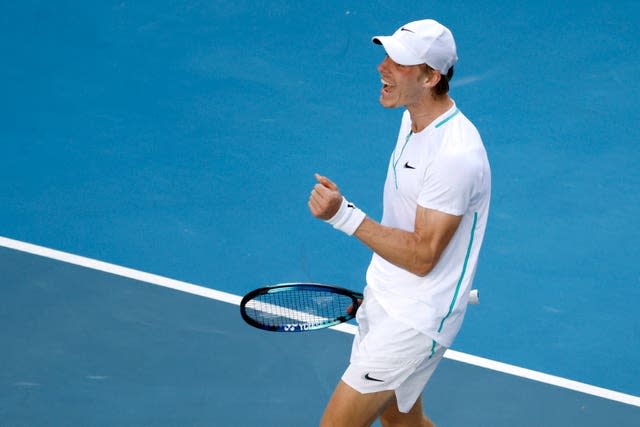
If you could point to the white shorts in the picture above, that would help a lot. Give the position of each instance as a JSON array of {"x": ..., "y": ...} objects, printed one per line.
[{"x": 388, "y": 355}]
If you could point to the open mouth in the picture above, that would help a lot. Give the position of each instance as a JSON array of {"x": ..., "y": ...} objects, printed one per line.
[{"x": 386, "y": 85}]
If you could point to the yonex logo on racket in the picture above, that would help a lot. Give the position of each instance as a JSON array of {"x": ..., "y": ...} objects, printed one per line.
[{"x": 293, "y": 327}]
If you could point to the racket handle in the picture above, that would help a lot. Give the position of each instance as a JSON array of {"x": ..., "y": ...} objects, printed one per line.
[{"x": 474, "y": 296}]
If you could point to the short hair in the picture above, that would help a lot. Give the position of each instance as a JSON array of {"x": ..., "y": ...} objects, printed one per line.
[{"x": 442, "y": 87}]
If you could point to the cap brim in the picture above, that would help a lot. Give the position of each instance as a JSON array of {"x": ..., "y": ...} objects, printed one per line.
[{"x": 397, "y": 51}]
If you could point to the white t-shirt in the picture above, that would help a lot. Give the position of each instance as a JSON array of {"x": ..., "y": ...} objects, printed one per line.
[{"x": 443, "y": 167}]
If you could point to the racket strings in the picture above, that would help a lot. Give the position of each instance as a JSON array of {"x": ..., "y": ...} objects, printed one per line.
[{"x": 310, "y": 307}]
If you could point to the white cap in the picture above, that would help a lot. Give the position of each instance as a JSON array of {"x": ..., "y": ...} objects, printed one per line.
[{"x": 421, "y": 42}]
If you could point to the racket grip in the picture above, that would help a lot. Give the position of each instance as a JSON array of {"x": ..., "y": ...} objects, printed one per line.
[{"x": 474, "y": 296}]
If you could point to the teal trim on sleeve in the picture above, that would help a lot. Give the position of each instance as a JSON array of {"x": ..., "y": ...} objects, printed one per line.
[{"x": 464, "y": 270}]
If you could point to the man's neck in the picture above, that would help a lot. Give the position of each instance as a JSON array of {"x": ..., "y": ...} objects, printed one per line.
[{"x": 423, "y": 114}]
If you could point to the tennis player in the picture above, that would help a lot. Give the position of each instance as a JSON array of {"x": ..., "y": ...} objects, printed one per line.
[{"x": 436, "y": 203}]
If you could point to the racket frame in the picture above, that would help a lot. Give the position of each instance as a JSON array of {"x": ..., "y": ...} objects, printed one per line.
[{"x": 356, "y": 298}]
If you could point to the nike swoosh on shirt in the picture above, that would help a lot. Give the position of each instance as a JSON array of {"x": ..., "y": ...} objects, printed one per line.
[{"x": 408, "y": 166}]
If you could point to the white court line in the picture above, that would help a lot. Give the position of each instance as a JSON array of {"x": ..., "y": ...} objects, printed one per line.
[
  {"x": 279, "y": 311},
  {"x": 347, "y": 328}
]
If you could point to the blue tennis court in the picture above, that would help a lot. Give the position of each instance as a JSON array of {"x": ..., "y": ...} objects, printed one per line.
[{"x": 180, "y": 139}]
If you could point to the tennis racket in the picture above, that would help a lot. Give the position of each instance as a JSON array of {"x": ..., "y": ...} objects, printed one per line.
[{"x": 299, "y": 307}]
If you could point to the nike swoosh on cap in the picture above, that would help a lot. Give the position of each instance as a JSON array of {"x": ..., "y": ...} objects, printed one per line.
[{"x": 406, "y": 29}]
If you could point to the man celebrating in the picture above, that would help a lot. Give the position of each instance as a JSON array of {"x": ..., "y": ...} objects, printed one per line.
[{"x": 426, "y": 248}]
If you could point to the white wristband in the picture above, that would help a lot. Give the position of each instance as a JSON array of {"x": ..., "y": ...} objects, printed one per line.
[{"x": 348, "y": 218}]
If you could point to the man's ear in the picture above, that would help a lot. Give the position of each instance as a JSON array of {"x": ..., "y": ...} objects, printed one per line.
[{"x": 432, "y": 78}]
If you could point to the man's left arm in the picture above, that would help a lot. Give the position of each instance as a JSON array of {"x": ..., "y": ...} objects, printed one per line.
[{"x": 417, "y": 252}]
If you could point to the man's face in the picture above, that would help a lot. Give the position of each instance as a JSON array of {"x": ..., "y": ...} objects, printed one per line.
[{"x": 401, "y": 84}]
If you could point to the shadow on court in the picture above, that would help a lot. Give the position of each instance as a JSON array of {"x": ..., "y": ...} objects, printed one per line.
[{"x": 82, "y": 347}]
